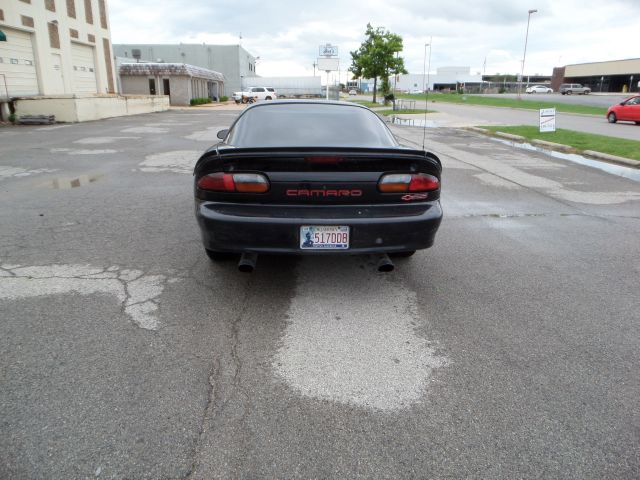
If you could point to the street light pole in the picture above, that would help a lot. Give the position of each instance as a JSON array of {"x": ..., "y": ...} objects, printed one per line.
[
  {"x": 424, "y": 66},
  {"x": 524, "y": 55},
  {"x": 426, "y": 87},
  {"x": 426, "y": 96}
]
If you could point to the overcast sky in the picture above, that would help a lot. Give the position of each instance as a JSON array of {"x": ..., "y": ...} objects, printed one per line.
[{"x": 286, "y": 34}]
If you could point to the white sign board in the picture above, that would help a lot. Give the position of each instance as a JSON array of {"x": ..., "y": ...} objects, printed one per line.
[
  {"x": 328, "y": 64},
  {"x": 328, "y": 50},
  {"x": 547, "y": 120}
]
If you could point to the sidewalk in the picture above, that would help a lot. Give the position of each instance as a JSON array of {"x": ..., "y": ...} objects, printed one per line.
[{"x": 228, "y": 105}]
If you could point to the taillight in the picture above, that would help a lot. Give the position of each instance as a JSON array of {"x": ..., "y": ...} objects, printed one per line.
[
  {"x": 234, "y": 182},
  {"x": 407, "y": 182}
]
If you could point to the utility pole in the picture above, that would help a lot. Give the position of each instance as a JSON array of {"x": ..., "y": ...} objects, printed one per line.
[{"x": 524, "y": 55}]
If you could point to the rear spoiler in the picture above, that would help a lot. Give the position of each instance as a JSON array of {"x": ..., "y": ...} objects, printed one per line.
[{"x": 221, "y": 151}]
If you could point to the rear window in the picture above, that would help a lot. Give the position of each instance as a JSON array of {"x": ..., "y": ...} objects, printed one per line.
[{"x": 310, "y": 125}]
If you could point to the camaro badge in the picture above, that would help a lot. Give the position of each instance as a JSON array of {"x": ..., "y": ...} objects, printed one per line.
[
  {"x": 414, "y": 196},
  {"x": 324, "y": 193}
]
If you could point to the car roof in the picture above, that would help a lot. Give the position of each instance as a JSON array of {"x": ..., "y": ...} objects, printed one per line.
[
  {"x": 346, "y": 125},
  {"x": 306, "y": 102}
]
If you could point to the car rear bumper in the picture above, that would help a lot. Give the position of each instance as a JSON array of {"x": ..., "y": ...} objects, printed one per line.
[{"x": 276, "y": 228}]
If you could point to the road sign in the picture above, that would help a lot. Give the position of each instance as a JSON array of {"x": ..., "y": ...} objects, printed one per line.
[
  {"x": 328, "y": 64},
  {"x": 328, "y": 50},
  {"x": 547, "y": 120}
]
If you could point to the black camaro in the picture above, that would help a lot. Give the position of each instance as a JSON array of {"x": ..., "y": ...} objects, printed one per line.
[{"x": 311, "y": 177}]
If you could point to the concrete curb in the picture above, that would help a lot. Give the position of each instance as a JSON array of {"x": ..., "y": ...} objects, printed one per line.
[
  {"x": 553, "y": 146},
  {"x": 612, "y": 158},
  {"x": 508, "y": 136},
  {"x": 484, "y": 131},
  {"x": 604, "y": 157}
]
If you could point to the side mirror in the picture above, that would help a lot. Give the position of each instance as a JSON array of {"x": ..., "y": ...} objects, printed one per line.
[{"x": 223, "y": 133}]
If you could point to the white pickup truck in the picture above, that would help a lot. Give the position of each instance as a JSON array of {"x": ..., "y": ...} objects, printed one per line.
[{"x": 258, "y": 93}]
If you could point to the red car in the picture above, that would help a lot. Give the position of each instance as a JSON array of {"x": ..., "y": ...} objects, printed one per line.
[{"x": 628, "y": 110}]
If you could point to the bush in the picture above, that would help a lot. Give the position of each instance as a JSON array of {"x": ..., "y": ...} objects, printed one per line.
[
  {"x": 200, "y": 101},
  {"x": 13, "y": 118},
  {"x": 224, "y": 98}
]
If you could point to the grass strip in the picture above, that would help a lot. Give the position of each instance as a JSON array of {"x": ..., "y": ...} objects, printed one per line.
[
  {"x": 366, "y": 103},
  {"x": 528, "y": 103},
  {"x": 580, "y": 141}
]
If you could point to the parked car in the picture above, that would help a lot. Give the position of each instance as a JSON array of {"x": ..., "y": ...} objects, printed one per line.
[
  {"x": 311, "y": 178},
  {"x": 352, "y": 92},
  {"x": 538, "y": 89},
  {"x": 627, "y": 110},
  {"x": 258, "y": 93},
  {"x": 570, "y": 88}
]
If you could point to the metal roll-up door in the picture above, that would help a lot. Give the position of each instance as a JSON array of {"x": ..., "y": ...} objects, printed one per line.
[
  {"x": 84, "y": 69},
  {"x": 18, "y": 65}
]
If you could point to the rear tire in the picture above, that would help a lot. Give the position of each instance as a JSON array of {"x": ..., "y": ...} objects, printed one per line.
[
  {"x": 406, "y": 254},
  {"x": 569, "y": 92},
  {"x": 267, "y": 98},
  {"x": 216, "y": 256},
  {"x": 612, "y": 118}
]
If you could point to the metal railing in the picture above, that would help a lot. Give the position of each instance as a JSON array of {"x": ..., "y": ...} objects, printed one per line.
[{"x": 402, "y": 104}]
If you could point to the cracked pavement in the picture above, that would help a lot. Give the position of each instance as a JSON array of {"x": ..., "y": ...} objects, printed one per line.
[
  {"x": 138, "y": 293},
  {"x": 508, "y": 350}
]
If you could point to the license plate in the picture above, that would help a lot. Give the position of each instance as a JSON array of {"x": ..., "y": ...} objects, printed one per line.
[{"x": 324, "y": 237}]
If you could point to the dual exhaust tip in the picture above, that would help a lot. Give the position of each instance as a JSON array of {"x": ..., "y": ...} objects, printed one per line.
[{"x": 247, "y": 263}]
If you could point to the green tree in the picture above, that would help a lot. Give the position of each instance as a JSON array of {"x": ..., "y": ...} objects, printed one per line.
[{"x": 378, "y": 57}]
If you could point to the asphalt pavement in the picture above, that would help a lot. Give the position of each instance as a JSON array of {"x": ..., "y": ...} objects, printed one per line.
[
  {"x": 595, "y": 99},
  {"x": 508, "y": 350},
  {"x": 455, "y": 115}
]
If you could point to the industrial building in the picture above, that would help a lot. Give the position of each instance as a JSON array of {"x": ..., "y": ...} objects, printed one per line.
[
  {"x": 56, "y": 60},
  {"x": 445, "y": 78},
  {"x": 179, "y": 81},
  {"x": 232, "y": 61},
  {"x": 53, "y": 48},
  {"x": 611, "y": 76}
]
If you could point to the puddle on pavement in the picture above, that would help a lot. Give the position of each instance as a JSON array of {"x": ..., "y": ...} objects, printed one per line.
[
  {"x": 413, "y": 122},
  {"x": 618, "y": 170},
  {"x": 64, "y": 183}
]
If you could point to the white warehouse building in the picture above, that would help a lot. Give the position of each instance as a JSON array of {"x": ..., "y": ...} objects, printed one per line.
[
  {"x": 55, "y": 48},
  {"x": 445, "y": 78},
  {"x": 56, "y": 61},
  {"x": 234, "y": 62}
]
